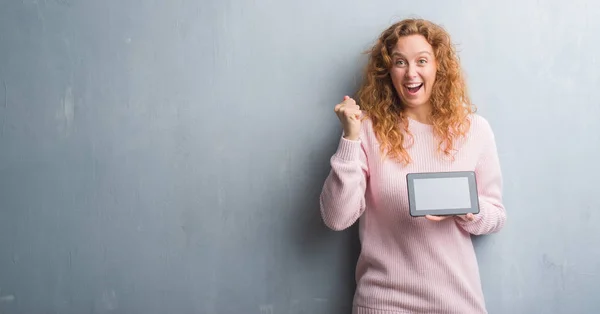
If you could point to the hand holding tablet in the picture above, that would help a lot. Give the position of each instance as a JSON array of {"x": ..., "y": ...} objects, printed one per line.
[
  {"x": 467, "y": 217},
  {"x": 440, "y": 195}
]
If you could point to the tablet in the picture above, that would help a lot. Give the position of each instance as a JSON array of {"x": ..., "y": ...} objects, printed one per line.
[{"x": 442, "y": 193}]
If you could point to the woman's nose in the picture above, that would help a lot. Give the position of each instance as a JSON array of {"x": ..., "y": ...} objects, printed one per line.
[{"x": 411, "y": 72}]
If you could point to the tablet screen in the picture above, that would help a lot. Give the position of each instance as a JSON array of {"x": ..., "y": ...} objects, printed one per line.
[
  {"x": 442, "y": 193},
  {"x": 448, "y": 193}
]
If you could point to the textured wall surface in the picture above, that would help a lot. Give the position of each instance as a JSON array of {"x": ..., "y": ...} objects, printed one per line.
[{"x": 167, "y": 156}]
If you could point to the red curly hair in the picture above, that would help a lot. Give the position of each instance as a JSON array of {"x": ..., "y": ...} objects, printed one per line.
[{"x": 377, "y": 97}]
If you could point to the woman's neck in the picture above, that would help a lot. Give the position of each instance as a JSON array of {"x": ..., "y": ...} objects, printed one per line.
[{"x": 420, "y": 114}]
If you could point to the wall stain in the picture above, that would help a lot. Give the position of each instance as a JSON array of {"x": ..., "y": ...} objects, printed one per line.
[
  {"x": 266, "y": 309},
  {"x": 66, "y": 114},
  {"x": 557, "y": 267},
  {"x": 5, "y": 107},
  {"x": 7, "y": 298}
]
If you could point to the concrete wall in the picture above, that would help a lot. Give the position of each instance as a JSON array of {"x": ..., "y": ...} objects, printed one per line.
[{"x": 167, "y": 156}]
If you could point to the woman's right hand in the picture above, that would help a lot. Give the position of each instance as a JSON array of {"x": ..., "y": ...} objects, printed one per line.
[{"x": 349, "y": 114}]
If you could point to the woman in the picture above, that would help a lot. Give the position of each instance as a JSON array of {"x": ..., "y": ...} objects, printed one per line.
[{"x": 414, "y": 116}]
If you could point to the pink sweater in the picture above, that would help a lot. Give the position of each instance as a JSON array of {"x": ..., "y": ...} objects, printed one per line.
[{"x": 412, "y": 265}]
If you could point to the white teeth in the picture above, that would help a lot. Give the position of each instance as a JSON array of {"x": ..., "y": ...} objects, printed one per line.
[{"x": 413, "y": 85}]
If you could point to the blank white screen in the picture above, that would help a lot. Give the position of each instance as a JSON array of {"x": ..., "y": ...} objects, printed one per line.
[{"x": 442, "y": 193}]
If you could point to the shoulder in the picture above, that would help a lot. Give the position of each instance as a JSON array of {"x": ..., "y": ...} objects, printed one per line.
[
  {"x": 366, "y": 124},
  {"x": 367, "y": 132},
  {"x": 480, "y": 126},
  {"x": 481, "y": 133},
  {"x": 478, "y": 121}
]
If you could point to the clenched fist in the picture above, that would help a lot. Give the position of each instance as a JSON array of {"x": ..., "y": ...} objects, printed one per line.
[{"x": 349, "y": 114}]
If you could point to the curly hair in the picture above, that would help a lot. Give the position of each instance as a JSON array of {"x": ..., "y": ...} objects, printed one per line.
[{"x": 377, "y": 97}]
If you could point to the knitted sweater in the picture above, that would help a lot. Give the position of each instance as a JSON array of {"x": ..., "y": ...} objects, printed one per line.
[{"x": 408, "y": 264}]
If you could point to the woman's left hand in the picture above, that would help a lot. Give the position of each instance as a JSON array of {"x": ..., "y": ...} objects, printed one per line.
[{"x": 467, "y": 217}]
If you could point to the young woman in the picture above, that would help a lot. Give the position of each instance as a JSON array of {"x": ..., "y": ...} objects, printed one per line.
[{"x": 415, "y": 116}]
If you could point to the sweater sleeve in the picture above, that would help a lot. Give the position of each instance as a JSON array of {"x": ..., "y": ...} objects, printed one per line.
[
  {"x": 342, "y": 199},
  {"x": 492, "y": 215}
]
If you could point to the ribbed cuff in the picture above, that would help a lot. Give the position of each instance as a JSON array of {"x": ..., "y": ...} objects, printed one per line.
[{"x": 365, "y": 310}]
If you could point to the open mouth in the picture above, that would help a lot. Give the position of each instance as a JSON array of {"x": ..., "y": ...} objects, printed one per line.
[{"x": 413, "y": 88}]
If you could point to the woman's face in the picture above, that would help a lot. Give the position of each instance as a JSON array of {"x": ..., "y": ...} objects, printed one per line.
[{"x": 413, "y": 70}]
